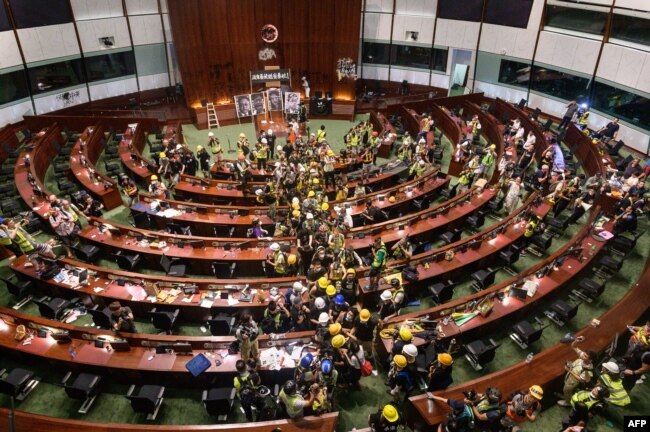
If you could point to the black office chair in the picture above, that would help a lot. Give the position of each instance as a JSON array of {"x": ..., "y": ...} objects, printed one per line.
[
  {"x": 86, "y": 253},
  {"x": 609, "y": 265},
  {"x": 557, "y": 226},
  {"x": 170, "y": 268},
  {"x": 449, "y": 192},
  {"x": 494, "y": 205},
  {"x": 85, "y": 388},
  {"x": 126, "y": 262},
  {"x": 562, "y": 312},
  {"x": 424, "y": 358},
  {"x": 476, "y": 220},
  {"x": 420, "y": 204},
  {"x": 18, "y": 383},
  {"x": 524, "y": 334},
  {"x": 223, "y": 270},
  {"x": 175, "y": 228},
  {"x": 221, "y": 325},
  {"x": 101, "y": 317},
  {"x": 481, "y": 279},
  {"x": 613, "y": 151},
  {"x": 141, "y": 220},
  {"x": 223, "y": 230},
  {"x": 441, "y": 292},
  {"x": 148, "y": 400},
  {"x": 510, "y": 256},
  {"x": 547, "y": 125},
  {"x": 479, "y": 354},
  {"x": 588, "y": 290},
  {"x": 541, "y": 242},
  {"x": 19, "y": 289},
  {"x": 52, "y": 308},
  {"x": 623, "y": 244},
  {"x": 218, "y": 401},
  {"x": 451, "y": 236},
  {"x": 164, "y": 320}
]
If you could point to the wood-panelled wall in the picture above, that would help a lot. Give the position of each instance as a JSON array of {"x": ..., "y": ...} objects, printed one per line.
[{"x": 217, "y": 43}]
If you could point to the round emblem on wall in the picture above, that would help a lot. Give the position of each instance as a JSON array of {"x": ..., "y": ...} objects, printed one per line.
[{"x": 269, "y": 33}]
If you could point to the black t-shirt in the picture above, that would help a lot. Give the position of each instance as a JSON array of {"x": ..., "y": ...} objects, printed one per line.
[
  {"x": 127, "y": 325},
  {"x": 365, "y": 330},
  {"x": 380, "y": 424},
  {"x": 610, "y": 129}
]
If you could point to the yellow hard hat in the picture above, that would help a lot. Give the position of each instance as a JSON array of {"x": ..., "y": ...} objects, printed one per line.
[
  {"x": 391, "y": 199},
  {"x": 199, "y": 148},
  {"x": 390, "y": 413},
  {"x": 323, "y": 282},
  {"x": 405, "y": 334},
  {"x": 311, "y": 194},
  {"x": 445, "y": 359},
  {"x": 162, "y": 155},
  {"x": 291, "y": 259},
  {"x": 351, "y": 271},
  {"x": 315, "y": 181},
  {"x": 493, "y": 146},
  {"x": 330, "y": 153},
  {"x": 296, "y": 206},
  {"x": 335, "y": 329},
  {"x": 154, "y": 177},
  {"x": 536, "y": 392},
  {"x": 400, "y": 361},
  {"x": 330, "y": 291},
  {"x": 338, "y": 341},
  {"x": 325, "y": 206},
  {"x": 295, "y": 213},
  {"x": 364, "y": 315}
]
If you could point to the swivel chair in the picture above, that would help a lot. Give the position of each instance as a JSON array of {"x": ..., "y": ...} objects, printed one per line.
[
  {"x": 148, "y": 400},
  {"x": 18, "y": 383},
  {"x": 101, "y": 317},
  {"x": 218, "y": 401},
  {"x": 441, "y": 292},
  {"x": 163, "y": 320},
  {"x": 170, "y": 268},
  {"x": 19, "y": 289},
  {"x": 479, "y": 354},
  {"x": 562, "y": 312},
  {"x": 85, "y": 387},
  {"x": 481, "y": 279},
  {"x": 523, "y": 333}
]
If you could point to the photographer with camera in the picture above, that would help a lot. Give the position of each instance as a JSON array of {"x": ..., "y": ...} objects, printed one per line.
[
  {"x": 461, "y": 417},
  {"x": 523, "y": 406},
  {"x": 247, "y": 333},
  {"x": 293, "y": 402},
  {"x": 246, "y": 383},
  {"x": 487, "y": 409}
]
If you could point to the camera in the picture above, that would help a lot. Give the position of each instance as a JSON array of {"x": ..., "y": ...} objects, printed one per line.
[{"x": 471, "y": 395}]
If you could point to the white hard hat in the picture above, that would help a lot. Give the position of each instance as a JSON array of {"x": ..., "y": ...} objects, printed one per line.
[
  {"x": 210, "y": 134},
  {"x": 410, "y": 350},
  {"x": 273, "y": 291},
  {"x": 279, "y": 148},
  {"x": 178, "y": 146},
  {"x": 264, "y": 141},
  {"x": 277, "y": 165},
  {"x": 259, "y": 192},
  {"x": 275, "y": 247},
  {"x": 323, "y": 318},
  {"x": 295, "y": 200},
  {"x": 386, "y": 295},
  {"x": 270, "y": 131},
  {"x": 422, "y": 141},
  {"x": 319, "y": 303},
  {"x": 297, "y": 286},
  {"x": 309, "y": 216},
  {"x": 611, "y": 367},
  {"x": 422, "y": 163}
]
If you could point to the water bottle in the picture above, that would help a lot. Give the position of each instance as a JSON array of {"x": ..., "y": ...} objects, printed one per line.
[
  {"x": 529, "y": 358},
  {"x": 430, "y": 405}
]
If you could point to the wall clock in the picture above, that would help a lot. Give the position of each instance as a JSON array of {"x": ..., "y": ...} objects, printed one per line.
[{"x": 269, "y": 33}]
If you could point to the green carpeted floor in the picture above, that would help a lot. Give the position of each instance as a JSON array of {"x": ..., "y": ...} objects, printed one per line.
[{"x": 182, "y": 406}]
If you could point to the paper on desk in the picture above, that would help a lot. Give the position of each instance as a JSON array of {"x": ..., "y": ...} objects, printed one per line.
[
  {"x": 187, "y": 300},
  {"x": 206, "y": 303},
  {"x": 297, "y": 352},
  {"x": 232, "y": 301},
  {"x": 98, "y": 289}
]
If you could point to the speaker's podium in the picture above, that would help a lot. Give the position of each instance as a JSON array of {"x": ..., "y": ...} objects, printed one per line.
[{"x": 319, "y": 105}]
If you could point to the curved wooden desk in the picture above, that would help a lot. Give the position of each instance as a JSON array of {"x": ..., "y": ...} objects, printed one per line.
[
  {"x": 230, "y": 190},
  {"x": 97, "y": 183},
  {"x": 140, "y": 363},
  {"x": 130, "y": 148},
  {"x": 491, "y": 130},
  {"x": 546, "y": 368},
  {"x": 572, "y": 252},
  {"x": 47, "y": 144},
  {"x": 382, "y": 126},
  {"x": 27, "y": 422}
]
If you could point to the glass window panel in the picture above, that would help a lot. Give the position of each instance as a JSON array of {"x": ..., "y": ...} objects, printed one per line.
[
  {"x": 108, "y": 66},
  {"x": 439, "y": 60},
  {"x": 580, "y": 20},
  {"x": 55, "y": 76},
  {"x": 4, "y": 19},
  {"x": 623, "y": 104},
  {"x": 631, "y": 29},
  {"x": 514, "y": 73},
  {"x": 37, "y": 13},
  {"x": 13, "y": 86},
  {"x": 411, "y": 56},
  {"x": 512, "y": 13},
  {"x": 466, "y": 10},
  {"x": 376, "y": 53},
  {"x": 560, "y": 84}
]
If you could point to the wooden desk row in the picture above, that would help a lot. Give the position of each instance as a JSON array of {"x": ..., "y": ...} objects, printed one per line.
[
  {"x": 141, "y": 363},
  {"x": 230, "y": 190},
  {"x": 577, "y": 255},
  {"x": 546, "y": 368},
  {"x": 28, "y": 422},
  {"x": 97, "y": 183},
  {"x": 381, "y": 125},
  {"x": 130, "y": 148}
]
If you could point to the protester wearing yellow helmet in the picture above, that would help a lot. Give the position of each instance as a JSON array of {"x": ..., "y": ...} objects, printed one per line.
[
  {"x": 439, "y": 373},
  {"x": 523, "y": 406},
  {"x": 386, "y": 419},
  {"x": 400, "y": 379},
  {"x": 338, "y": 341}
]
